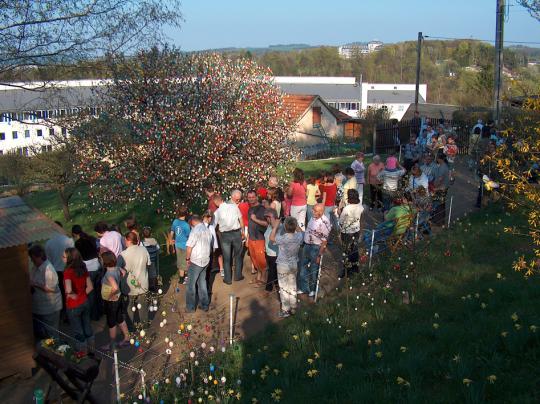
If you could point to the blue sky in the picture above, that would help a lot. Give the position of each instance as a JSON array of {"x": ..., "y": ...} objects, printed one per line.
[{"x": 243, "y": 23}]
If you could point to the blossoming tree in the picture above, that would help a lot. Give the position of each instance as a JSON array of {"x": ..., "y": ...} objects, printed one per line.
[{"x": 177, "y": 122}]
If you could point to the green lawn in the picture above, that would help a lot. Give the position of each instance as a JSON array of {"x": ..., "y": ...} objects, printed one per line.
[
  {"x": 314, "y": 167},
  {"x": 470, "y": 335}
]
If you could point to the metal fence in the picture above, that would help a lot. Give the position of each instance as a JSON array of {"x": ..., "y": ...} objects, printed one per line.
[{"x": 392, "y": 134}]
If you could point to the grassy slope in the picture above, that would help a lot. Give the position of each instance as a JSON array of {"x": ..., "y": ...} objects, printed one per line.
[{"x": 461, "y": 293}]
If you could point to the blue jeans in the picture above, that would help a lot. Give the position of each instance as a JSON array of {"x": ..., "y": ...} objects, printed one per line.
[
  {"x": 196, "y": 288},
  {"x": 309, "y": 269},
  {"x": 79, "y": 320},
  {"x": 231, "y": 247},
  {"x": 46, "y": 325}
]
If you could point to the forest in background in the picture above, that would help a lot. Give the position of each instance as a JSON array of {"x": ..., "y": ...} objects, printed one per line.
[{"x": 458, "y": 72}]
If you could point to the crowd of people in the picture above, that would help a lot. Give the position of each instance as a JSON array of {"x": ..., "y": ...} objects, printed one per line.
[{"x": 284, "y": 228}]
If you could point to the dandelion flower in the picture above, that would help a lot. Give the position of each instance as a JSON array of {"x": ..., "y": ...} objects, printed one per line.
[
  {"x": 466, "y": 382},
  {"x": 491, "y": 378}
]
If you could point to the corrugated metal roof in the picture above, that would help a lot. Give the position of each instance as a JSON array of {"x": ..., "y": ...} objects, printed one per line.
[
  {"x": 328, "y": 92},
  {"x": 15, "y": 100},
  {"x": 392, "y": 97},
  {"x": 20, "y": 224}
]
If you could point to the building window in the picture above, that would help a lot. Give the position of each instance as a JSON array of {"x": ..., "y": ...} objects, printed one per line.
[
  {"x": 51, "y": 131},
  {"x": 64, "y": 131},
  {"x": 2, "y": 136},
  {"x": 25, "y": 151},
  {"x": 15, "y": 134},
  {"x": 40, "y": 132},
  {"x": 384, "y": 108},
  {"x": 342, "y": 105},
  {"x": 27, "y": 133},
  {"x": 316, "y": 116}
]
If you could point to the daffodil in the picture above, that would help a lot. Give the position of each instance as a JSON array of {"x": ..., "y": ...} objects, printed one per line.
[
  {"x": 504, "y": 334},
  {"x": 490, "y": 290},
  {"x": 402, "y": 382},
  {"x": 364, "y": 324},
  {"x": 403, "y": 349},
  {"x": 483, "y": 305},
  {"x": 295, "y": 337},
  {"x": 285, "y": 354},
  {"x": 312, "y": 372},
  {"x": 310, "y": 361},
  {"x": 436, "y": 315},
  {"x": 276, "y": 372},
  {"x": 491, "y": 378},
  {"x": 533, "y": 328},
  {"x": 379, "y": 354},
  {"x": 517, "y": 326},
  {"x": 436, "y": 325},
  {"x": 316, "y": 355},
  {"x": 466, "y": 382},
  {"x": 339, "y": 366},
  {"x": 254, "y": 400},
  {"x": 378, "y": 341},
  {"x": 307, "y": 332},
  {"x": 514, "y": 317},
  {"x": 456, "y": 358}
]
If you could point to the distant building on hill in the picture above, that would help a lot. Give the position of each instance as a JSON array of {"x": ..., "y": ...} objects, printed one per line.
[{"x": 358, "y": 48}]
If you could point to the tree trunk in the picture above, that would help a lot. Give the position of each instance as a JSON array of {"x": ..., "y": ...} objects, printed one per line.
[{"x": 65, "y": 203}]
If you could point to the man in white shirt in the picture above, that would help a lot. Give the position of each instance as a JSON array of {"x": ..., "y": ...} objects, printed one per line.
[
  {"x": 315, "y": 239},
  {"x": 54, "y": 250},
  {"x": 109, "y": 240},
  {"x": 136, "y": 260},
  {"x": 199, "y": 246},
  {"x": 229, "y": 224}
]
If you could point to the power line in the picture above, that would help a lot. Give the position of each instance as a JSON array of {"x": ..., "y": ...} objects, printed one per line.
[{"x": 480, "y": 40}]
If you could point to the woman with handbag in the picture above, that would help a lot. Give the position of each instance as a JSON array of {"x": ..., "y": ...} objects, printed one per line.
[{"x": 114, "y": 292}]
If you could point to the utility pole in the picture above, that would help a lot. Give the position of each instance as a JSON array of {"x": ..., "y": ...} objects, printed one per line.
[
  {"x": 499, "y": 31},
  {"x": 418, "y": 59}
]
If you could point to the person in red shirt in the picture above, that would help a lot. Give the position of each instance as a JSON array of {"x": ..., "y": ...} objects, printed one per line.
[
  {"x": 262, "y": 192},
  {"x": 78, "y": 285},
  {"x": 210, "y": 192},
  {"x": 329, "y": 192}
]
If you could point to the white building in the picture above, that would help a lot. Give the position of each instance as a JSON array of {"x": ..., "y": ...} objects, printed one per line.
[
  {"x": 30, "y": 116},
  {"x": 396, "y": 98},
  {"x": 350, "y": 96},
  {"x": 351, "y": 50}
]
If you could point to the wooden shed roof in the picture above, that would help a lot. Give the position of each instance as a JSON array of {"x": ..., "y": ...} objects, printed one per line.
[{"x": 20, "y": 224}]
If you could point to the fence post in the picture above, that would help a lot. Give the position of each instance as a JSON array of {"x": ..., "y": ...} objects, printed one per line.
[
  {"x": 231, "y": 303},
  {"x": 371, "y": 248},
  {"x": 143, "y": 384},
  {"x": 116, "y": 376},
  {"x": 374, "y": 139},
  {"x": 416, "y": 227},
  {"x": 318, "y": 280},
  {"x": 450, "y": 210}
]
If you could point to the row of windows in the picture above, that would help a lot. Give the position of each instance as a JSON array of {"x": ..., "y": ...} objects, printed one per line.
[
  {"x": 47, "y": 114},
  {"x": 23, "y": 151},
  {"x": 350, "y": 106},
  {"x": 39, "y": 133}
]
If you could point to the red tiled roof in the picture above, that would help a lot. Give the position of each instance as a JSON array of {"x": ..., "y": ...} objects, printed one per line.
[
  {"x": 297, "y": 104},
  {"x": 20, "y": 224},
  {"x": 341, "y": 116}
]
